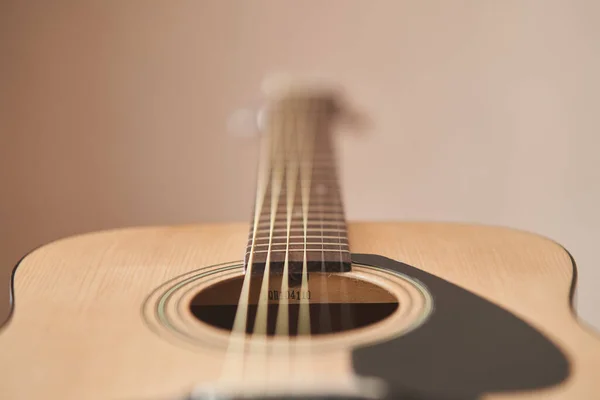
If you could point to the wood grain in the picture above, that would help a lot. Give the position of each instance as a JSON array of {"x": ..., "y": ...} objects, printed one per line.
[{"x": 77, "y": 331}]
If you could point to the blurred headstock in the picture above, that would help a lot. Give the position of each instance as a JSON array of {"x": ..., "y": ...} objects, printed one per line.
[{"x": 284, "y": 93}]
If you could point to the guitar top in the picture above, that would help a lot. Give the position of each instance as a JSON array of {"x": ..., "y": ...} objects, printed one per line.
[{"x": 298, "y": 303}]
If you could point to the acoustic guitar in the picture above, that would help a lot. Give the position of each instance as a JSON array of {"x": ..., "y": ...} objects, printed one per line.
[{"x": 298, "y": 304}]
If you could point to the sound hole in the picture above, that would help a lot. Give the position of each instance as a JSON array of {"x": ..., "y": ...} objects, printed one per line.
[{"x": 336, "y": 303}]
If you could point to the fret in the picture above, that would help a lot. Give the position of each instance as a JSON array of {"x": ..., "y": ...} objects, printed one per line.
[
  {"x": 313, "y": 193},
  {"x": 300, "y": 224},
  {"x": 331, "y": 181},
  {"x": 312, "y": 219},
  {"x": 298, "y": 216},
  {"x": 314, "y": 209},
  {"x": 267, "y": 205},
  {"x": 299, "y": 230},
  {"x": 298, "y": 213},
  {"x": 299, "y": 251},
  {"x": 293, "y": 246},
  {"x": 301, "y": 237},
  {"x": 313, "y": 204},
  {"x": 323, "y": 171},
  {"x": 298, "y": 210},
  {"x": 333, "y": 203}
]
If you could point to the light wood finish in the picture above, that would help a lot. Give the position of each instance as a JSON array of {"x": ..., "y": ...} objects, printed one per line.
[{"x": 77, "y": 330}]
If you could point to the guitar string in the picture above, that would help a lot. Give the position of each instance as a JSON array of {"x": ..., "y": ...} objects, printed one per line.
[
  {"x": 258, "y": 359},
  {"x": 234, "y": 363},
  {"x": 297, "y": 152},
  {"x": 324, "y": 307},
  {"x": 282, "y": 319},
  {"x": 260, "y": 330},
  {"x": 260, "y": 324},
  {"x": 346, "y": 314},
  {"x": 305, "y": 149},
  {"x": 304, "y": 327},
  {"x": 306, "y": 138}
]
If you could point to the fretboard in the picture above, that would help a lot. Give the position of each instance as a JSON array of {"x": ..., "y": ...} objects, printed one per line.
[{"x": 299, "y": 214}]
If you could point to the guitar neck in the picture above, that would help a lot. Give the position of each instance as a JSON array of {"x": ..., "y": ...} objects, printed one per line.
[{"x": 299, "y": 215}]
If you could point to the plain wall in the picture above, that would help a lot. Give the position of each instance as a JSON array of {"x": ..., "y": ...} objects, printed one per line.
[{"x": 113, "y": 113}]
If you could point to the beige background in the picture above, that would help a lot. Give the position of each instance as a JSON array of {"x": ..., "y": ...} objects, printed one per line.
[{"x": 113, "y": 113}]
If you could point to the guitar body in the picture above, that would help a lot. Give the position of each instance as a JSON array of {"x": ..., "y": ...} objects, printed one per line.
[{"x": 87, "y": 322}]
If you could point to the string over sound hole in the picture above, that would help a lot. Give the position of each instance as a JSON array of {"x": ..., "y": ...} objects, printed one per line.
[{"x": 336, "y": 303}]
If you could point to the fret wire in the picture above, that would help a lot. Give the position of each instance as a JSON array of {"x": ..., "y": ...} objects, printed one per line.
[
  {"x": 329, "y": 209},
  {"x": 332, "y": 205},
  {"x": 333, "y": 185},
  {"x": 332, "y": 198},
  {"x": 312, "y": 228},
  {"x": 333, "y": 188},
  {"x": 318, "y": 207},
  {"x": 312, "y": 234},
  {"x": 312, "y": 207},
  {"x": 300, "y": 244},
  {"x": 298, "y": 251},
  {"x": 312, "y": 222},
  {"x": 331, "y": 182},
  {"x": 302, "y": 237},
  {"x": 299, "y": 223},
  {"x": 301, "y": 230},
  {"x": 313, "y": 214},
  {"x": 312, "y": 217},
  {"x": 327, "y": 217}
]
